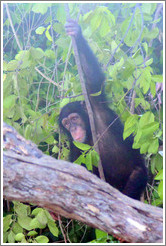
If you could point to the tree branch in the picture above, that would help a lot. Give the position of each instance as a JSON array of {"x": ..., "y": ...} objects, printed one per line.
[
  {"x": 87, "y": 102},
  {"x": 71, "y": 191},
  {"x": 11, "y": 23}
]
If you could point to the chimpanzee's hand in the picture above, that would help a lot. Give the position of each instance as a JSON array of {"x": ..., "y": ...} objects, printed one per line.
[{"x": 72, "y": 28}]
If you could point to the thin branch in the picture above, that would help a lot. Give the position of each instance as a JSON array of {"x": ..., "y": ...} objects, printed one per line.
[
  {"x": 60, "y": 225},
  {"x": 11, "y": 23},
  {"x": 66, "y": 63},
  {"x": 88, "y": 105},
  {"x": 47, "y": 78},
  {"x": 133, "y": 102}
]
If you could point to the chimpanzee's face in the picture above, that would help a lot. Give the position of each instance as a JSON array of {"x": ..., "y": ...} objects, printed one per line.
[{"x": 76, "y": 126}]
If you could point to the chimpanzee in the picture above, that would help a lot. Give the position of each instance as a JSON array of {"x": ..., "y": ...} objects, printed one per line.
[{"x": 123, "y": 166}]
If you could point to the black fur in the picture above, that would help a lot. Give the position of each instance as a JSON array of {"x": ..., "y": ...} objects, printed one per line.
[{"x": 123, "y": 166}]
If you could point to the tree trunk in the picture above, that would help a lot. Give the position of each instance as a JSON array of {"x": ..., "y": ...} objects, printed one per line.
[{"x": 71, "y": 191}]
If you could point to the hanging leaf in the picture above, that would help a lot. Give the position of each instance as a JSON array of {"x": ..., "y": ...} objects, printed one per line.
[
  {"x": 48, "y": 34},
  {"x": 40, "y": 30},
  {"x": 41, "y": 7}
]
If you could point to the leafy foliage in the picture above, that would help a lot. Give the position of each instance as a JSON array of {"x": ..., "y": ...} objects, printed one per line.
[
  {"x": 40, "y": 77},
  {"x": 89, "y": 156},
  {"x": 24, "y": 225}
]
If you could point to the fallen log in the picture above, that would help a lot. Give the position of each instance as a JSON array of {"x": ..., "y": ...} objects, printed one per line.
[{"x": 71, "y": 191}]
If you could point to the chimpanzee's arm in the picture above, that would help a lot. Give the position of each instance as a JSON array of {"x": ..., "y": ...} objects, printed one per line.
[{"x": 91, "y": 68}]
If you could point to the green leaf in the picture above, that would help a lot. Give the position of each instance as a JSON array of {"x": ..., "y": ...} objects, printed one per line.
[
  {"x": 80, "y": 159},
  {"x": 25, "y": 222},
  {"x": 11, "y": 237},
  {"x": 131, "y": 121},
  {"x": 42, "y": 239},
  {"x": 130, "y": 125},
  {"x": 21, "y": 209},
  {"x": 144, "y": 147},
  {"x": 96, "y": 94},
  {"x": 23, "y": 58},
  {"x": 61, "y": 13},
  {"x": 157, "y": 202},
  {"x": 23, "y": 54},
  {"x": 48, "y": 34},
  {"x": 5, "y": 237},
  {"x": 100, "y": 234},
  {"x": 12, "y": 65},
  {"x": 19, "y": 236},
  {"x": 149, "y": 129},
  {"x": 141, "y": 101},
  {"x": 152, "y": 34},
  {"x": 154, "y": 146},
  {"x": 36, "y": 224},
  {"x": 127, "y": 132},
  {"x": 120, "y": 63},
  {"x": 53, "y": 228},
  {"x": 50, "y": 140},
  {"x": 109, "y": 16},
  {"x": 28, "y": 131},
  {"x": 95, "y": 22},
  {"x": 137, "y": 136},
  {"x": 88, "y": 161},
  {"x": 36, "y": 211},
  {"x": 129, "y": 68},
  {"x": 17, "y": 228},
  {"x": 41, "y": 7},
  {"x": 132, "y": 37},
  {"x": 157, "y": 78},
  {"x": 138, "y": 60},
  {"x": 125, "y": 25},
  {"x": 145, "y": 45},
  {"x": 149, "y": 62},
  {"x": 156, "y": 163},
  {"x": 153, "y": 88},
  {"x": 63, "y": 42},
  {"x": 24, "y": 241},
  {"x": 145, "y": 119},
  {"x": 7, "y": 220},
  {"x": 145, "y": 80},
  {"x": 159, "y": 162},
  {"x": 42, "y": 218},
  {"x": 104, "y": 27},
  {"x": 49, "y": 217},
  {"x": 160, "y": 189},
  {"x": 153, "y": 164},
  {"x": 82, "y": 146},
  {"x": 32, "y": 233},
  {"x": 148, "y": 8},
  {"x": 4, "y": 66},
  {"x": 50, "y": 54},
  {"x": 40, "y": 30},
  {"x": 114, "y": 45},
  {"x": 59, "y": 28},
  {"x": 95, "y": 158},
  {"x": 55, "y": 149},
  {"x": 159, "y": 176},
  {"x": 37, "y": 53}
]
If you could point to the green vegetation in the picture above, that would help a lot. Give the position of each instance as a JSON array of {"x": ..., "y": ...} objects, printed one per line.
[{"x": 40, "y": 77}]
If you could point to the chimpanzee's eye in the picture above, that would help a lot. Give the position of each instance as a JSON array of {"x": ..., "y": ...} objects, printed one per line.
[{"x": 75, "y": 118}]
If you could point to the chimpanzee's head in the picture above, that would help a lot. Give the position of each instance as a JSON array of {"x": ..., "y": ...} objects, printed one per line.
[{"x": 74, "y": 121}]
